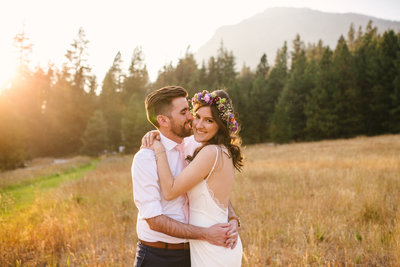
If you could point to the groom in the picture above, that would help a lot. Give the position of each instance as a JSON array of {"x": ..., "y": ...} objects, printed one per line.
[{"x": 162, "y": 226}]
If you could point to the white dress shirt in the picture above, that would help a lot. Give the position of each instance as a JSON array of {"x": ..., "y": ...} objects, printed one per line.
[{"x": 147, "y": 192}]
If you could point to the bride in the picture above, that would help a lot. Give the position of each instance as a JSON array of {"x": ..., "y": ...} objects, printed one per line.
[{"x": 209, "y": 177}]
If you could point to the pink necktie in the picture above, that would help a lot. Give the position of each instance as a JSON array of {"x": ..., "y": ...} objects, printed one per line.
[{"x": 179, "y": 147}]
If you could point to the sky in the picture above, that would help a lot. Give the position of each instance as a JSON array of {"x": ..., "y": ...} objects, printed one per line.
[{"x": 164, "y": 29}]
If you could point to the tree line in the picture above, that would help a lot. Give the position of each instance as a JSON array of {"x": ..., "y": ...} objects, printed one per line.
[{"x": 310, "y": 92}]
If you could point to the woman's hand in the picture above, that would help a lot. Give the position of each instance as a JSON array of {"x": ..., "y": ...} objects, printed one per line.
[
  {"x": 157, "y": 146},
  {"x": 233, "y": 234},
  {"x": 149, "y": 137}
]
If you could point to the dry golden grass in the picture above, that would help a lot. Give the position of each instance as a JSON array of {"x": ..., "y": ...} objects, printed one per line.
[
  {"x": 330, "y": 203},
  {"x": 86, "y": 222}
]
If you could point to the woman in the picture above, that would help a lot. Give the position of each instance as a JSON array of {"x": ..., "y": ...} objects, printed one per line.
[{"x": 208, "y": 179}]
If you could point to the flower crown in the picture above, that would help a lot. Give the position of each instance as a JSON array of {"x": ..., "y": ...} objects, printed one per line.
[{"x": 223, "y": 106}]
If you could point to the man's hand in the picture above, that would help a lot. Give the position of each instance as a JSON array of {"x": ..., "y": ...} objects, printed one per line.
[
  {"x": 218, "y": 234},
  {"x": 233, "y": 234}
]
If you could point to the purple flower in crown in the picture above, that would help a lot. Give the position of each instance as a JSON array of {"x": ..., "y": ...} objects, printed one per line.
[
  {"x": 207, "y": 98},
  {"x": 235, "y": 127}
]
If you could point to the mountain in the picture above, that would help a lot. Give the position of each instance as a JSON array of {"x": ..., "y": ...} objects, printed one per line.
[{"x": 266, "y": 32}]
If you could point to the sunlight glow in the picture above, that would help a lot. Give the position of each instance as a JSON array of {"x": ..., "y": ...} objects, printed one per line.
[
  {"x": 7, "y": 70},
  {"x": 164, "y": 29}
]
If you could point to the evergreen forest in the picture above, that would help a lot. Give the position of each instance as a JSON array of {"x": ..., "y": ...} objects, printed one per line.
[{"x": 307, "y": 92}]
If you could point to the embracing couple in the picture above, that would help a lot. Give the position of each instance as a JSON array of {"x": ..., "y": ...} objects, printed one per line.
[{"x": 182, "y": 181}]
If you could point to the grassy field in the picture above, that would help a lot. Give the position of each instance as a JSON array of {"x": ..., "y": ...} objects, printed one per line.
[{"x": 330, "y": 203}]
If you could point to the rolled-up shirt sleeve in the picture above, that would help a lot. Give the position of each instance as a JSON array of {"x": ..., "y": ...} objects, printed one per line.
[{"x": 146, "y": 188}]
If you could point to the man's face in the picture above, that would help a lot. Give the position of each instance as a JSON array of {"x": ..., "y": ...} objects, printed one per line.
[{"x": 180, "y": 117}]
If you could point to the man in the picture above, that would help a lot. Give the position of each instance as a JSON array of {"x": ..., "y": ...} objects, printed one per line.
[{"x": 162, "y": 225}]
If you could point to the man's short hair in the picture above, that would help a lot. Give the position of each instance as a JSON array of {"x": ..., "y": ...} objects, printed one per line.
[{"x": 159, "y": 102}]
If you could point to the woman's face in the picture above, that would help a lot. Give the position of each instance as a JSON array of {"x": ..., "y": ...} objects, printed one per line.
[{"x": 204, "y": 126}]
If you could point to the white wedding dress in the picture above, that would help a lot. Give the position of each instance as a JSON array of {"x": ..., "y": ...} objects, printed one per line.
[{"x": 205, "y": 211}]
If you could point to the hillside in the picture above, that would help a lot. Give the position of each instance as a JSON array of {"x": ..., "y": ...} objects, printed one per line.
[{"x": 266, "y": 32}]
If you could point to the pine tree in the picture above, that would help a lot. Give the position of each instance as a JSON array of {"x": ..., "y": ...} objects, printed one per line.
[
  {"x": 246, "y": 106},
  {"x": 351, "y": 37},
  {"x": 60, "y": 117},
  {"x": 95, "y": 136},
  {"x": 213, "y": 73},
  {"x": 75, "y": 86},
  {"x": 315, "y": 52},
  {"x": 280, "y": 130},
  {"x": 276, "y": 81},
  {"x": 12, "y": 135},
  {"x": 166, "y": 76},
  {"x": 395, "y": 99},
  {"x": 110, "y": 101},
  {"x": 226, "y": 68},
  {"x": 322, "y": 120},
  {"x": 39, "y": 85},
  {"x": 366, "y": 65},
  {"x": 297, "y": 88},
  {"x": 381, "y": 104},
  {"x": 254, "y": 120},
  {"x": 347, "y": 96},
  {"x": 137, "y": 79},
  {"x": 24, "y": 51},
  {"x": 134, "y": 123},
  {"x": 185, "y": 73},
  {"x": 28, "y": 91},
  {"x": 221, "y": 69},
  {"x": 199, "y": 81}
]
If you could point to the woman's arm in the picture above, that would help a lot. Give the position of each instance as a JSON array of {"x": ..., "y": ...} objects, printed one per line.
[
  {"x": 196, "y": 171},
  {"x": 147, "y": 139}
]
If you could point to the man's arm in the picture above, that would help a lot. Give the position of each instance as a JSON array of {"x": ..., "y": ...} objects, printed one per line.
[{"x": 216, "y": 234}]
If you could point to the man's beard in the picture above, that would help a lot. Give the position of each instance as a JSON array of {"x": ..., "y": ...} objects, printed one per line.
[{"x": 180, "y": 131}]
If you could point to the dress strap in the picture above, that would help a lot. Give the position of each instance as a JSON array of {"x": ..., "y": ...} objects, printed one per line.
[{"x": 215, "y": 162}]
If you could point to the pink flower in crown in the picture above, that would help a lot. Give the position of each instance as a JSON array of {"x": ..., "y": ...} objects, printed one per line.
[{"x": 207, "y": 98}]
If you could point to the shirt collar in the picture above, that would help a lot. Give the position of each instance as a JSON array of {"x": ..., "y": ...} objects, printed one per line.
[{"x": 168, "y": 143}]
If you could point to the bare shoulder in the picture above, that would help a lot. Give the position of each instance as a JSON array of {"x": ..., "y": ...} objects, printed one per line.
[
  {"x": 206, "y": 155},
  {"x": 209, "y": 150}
]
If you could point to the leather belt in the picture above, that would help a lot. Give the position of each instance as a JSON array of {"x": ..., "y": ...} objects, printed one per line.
[{"x": 167, "y": 246}]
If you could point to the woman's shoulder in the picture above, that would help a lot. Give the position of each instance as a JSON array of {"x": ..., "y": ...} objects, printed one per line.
[{"x": 209, "y": 149}]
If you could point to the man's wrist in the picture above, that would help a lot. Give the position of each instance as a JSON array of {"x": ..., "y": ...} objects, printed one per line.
[{"x": 204, "y": 234}]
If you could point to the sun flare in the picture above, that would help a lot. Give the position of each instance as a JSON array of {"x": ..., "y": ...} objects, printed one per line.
[{"x": 7, "y": 66}]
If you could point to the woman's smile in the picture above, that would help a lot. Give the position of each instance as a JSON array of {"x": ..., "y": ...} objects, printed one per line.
[{"x": 204, "y": 125}]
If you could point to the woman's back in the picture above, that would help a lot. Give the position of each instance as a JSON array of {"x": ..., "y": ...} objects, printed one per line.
[
  {"x": 221, "y": 179},
  {"x": 207, "y": 210}
]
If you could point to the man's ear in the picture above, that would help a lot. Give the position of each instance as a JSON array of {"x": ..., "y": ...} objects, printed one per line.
[{"x": 163, "y": 121}]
